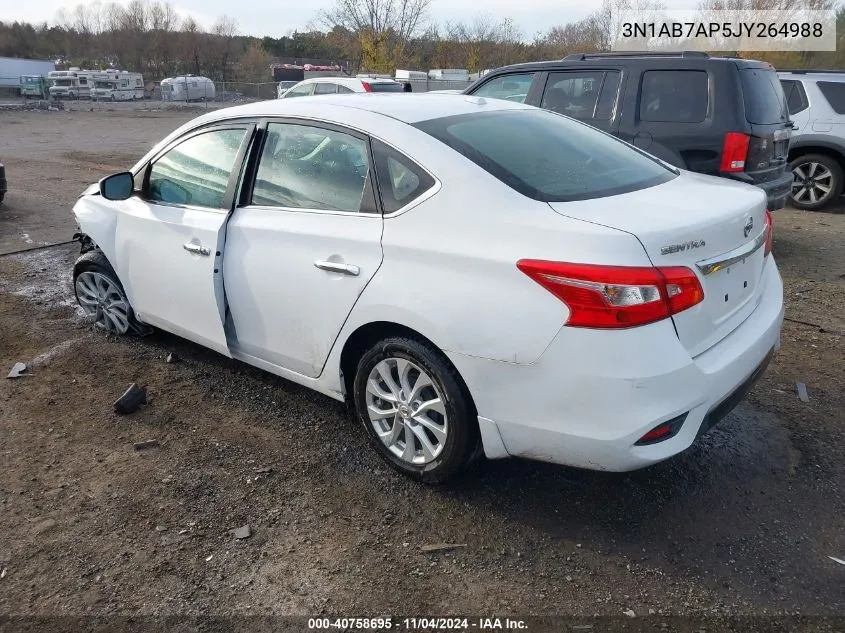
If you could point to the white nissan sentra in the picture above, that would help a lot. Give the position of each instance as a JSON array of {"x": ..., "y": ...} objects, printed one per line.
[{"x": 474, "y": 276}]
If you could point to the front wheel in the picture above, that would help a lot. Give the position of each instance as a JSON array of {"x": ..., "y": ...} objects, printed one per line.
[
  {"x": 101, "y": 296},
  {"x": 817, "y": 181},
  {"x": 415, "y": 409}
]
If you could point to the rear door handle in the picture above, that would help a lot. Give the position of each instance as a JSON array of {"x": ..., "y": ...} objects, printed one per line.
[
  {"x": 197, "y": 249},
  {"x": 337, "y": 267}
]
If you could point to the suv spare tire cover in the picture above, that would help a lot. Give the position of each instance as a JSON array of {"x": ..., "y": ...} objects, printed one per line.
[{"x": 642, "y": 140}]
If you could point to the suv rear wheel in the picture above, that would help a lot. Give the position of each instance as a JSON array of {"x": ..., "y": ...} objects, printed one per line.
[{"x": 816, "y": 181}]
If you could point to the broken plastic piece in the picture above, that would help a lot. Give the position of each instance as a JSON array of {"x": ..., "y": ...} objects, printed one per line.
[
  {"x": 18, "y": 370},
  {"x": 132, "y": 398},
  {"x": 802, "y": 392},
  {"x": 173, "y": 357}
]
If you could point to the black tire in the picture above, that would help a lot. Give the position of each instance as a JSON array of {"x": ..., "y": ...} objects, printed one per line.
[
  {"x": 836, "y": 181},
  {"x": 95, "y": 262},
  {"x": 462, "y": 440}
]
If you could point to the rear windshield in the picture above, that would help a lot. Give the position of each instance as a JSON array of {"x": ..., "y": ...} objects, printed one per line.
[
  {"x": 386, "y": 87},
  {"x": 547, "y": 156},
  {"x": 763, "y": 96}
]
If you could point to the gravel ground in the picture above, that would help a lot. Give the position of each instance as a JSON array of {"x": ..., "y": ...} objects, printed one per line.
[{"x": 742, "y": 524}]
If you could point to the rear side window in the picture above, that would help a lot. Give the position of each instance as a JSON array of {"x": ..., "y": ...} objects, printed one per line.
[
  {"x": 400, "y": 180},
  {"x": 582, "y": 95},
  {"x": 513, "y": 87},
  {"x": 679, "y": 96},
  {"x": 386, "y": 87},
  {"x": 299, "y": 91},
  {"x": 546, "y": 156},
  {"x": 796, "y": 97},
  {"x": 834, "y": 92},
  {"x": 763, "y": 96},
  {"x": 343, "y": 90}
]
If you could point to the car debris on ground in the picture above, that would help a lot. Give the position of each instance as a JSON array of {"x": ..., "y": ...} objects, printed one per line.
[
  {"x": 242, "y": 532},
  {"x": 801, "y": 388},
  {"x": 140, "y": 446},
  {"x": 442, "y": 547},
  {"x": 173, "y": 357},
  {"x": 18, "y": 371},
  {"x": 131, "y": 399}
]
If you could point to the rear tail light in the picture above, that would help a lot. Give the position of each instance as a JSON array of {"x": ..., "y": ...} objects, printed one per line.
[
  {"x": 367, "y": 87},
  {"x": 734, "y": 152},
  {"x": 770, "y": 234},
  {"x": 616, "y": 296}
]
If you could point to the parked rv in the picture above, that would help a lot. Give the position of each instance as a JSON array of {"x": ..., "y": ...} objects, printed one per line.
[
  {"x": 34, "y": 86},
  {"x": 117, "y": 85},
  {"x": 187, "y": 88},
  {"x": 73, "y": 83}
]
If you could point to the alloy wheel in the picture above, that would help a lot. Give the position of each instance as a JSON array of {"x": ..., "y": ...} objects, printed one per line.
[
  {"x": 406, "y": 411},
  {"x": 811, "y": 182},
  {"x": 104, "y": 301}
]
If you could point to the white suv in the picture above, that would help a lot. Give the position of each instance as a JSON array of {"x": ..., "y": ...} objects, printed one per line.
[{"x": 816, "y": 101}]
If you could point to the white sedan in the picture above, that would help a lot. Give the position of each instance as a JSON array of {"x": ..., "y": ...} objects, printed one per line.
[{"x": 476, "y": 277}]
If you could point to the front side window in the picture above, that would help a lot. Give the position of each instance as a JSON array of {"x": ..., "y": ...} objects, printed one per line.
[
  {"x": 509, "y": 87},
  {"x": 679, "y": 96},
  {"x": 196, "y": 172},
  {"x": 582, "y": 95},
  {"x": 299, "y": 91},
  {"x": 834, "y": 93},
  {"x": 305, "y": 167},
  {"x": 546, "y": 156},
  {"x": 400, "y": 180}
]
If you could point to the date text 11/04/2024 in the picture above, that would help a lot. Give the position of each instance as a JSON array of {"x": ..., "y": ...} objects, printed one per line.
[
  {"x": 722, "y": 29},
  {"x": 417, "y": 624}
]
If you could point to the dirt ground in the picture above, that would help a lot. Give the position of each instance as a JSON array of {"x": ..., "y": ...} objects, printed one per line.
[{"x": 743, "y": 523}]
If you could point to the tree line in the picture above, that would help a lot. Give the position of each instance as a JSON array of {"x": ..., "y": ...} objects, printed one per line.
[{"x": 150, "y": 37}]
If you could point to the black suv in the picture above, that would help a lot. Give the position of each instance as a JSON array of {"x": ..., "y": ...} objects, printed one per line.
[{"x": 714, "y": 115}]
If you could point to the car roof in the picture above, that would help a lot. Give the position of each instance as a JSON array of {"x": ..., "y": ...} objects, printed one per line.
[
  {"x": 346, "y": 80},
  {"x": 408, "y": 108},
  {"x": 641, "y": 59},
  {"x": 824, "y": 75}
]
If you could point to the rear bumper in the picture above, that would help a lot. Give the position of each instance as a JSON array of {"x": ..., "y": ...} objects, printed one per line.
[
  {"x": 777, "y": 188},
  {"x": 593, "y": 394}
]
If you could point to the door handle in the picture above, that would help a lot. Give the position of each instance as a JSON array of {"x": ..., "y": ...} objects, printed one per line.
[
  {"x": 196, "y": 249},
  {"x": 337, "y": 267}
]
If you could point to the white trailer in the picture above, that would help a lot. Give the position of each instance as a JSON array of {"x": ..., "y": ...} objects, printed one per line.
[
  {"x": 117, "y": 85},
  {"x": 13, "y": 68},
  {"x": 73, "y": 83},
  {"x": 187, "y": 88}
]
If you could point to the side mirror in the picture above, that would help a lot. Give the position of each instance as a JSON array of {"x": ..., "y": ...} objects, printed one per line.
[{"x": 117, "y": 186}]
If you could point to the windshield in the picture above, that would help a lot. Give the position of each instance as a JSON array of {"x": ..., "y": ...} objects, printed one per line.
[
  {"x": 386, "y": 87},
  {"x": 104, "y": 84},
  {"x": 547, "y": 156},
  {"x": 763, "y": 96},
  {"x": 62, "y": 82}
]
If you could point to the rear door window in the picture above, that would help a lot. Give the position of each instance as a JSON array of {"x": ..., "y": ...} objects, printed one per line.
[
  {"x": 796, "y": 96},
  {"x": 834, "y": 92},
  {"x": 325, "y": 89},
  {"x": 763, "y": 96},
  {"x": 513, "y": 87},
  {"x": 299, "y": 91},
  {"x": 386, "y": 87},
  {"x": 582, "y": 95},
  {"x": 677, "y": 96}
]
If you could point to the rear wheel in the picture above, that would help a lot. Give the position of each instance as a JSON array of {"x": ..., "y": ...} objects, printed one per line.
[
  {"x": 817, "y": 181},
  {"x": 415, "y": 409},
  {"x": 101, "y": 296}
]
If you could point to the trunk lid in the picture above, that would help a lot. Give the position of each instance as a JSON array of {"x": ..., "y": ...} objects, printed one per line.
[{"x": 695, "y": 220}]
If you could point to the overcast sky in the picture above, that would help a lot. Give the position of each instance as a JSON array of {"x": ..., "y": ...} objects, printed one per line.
[{"x": 278, "y": 17}]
